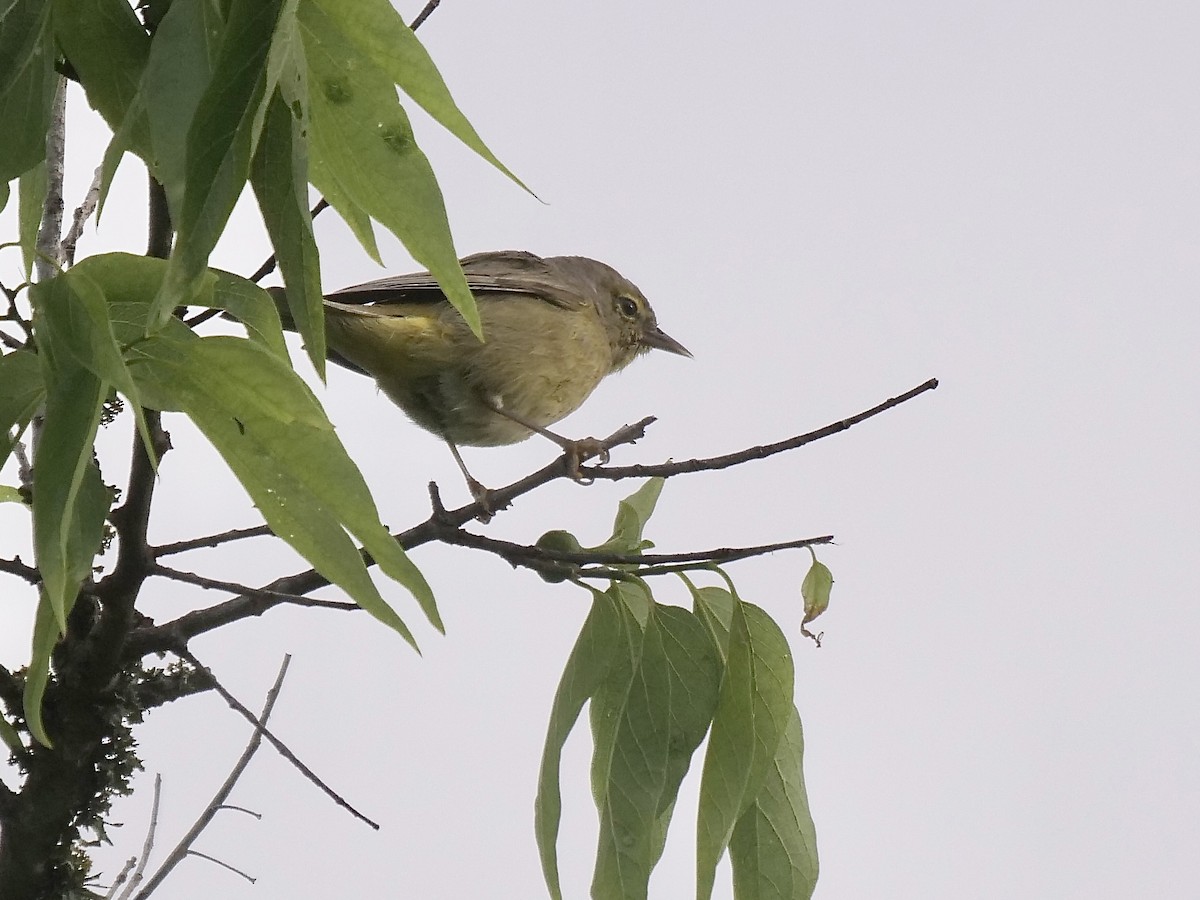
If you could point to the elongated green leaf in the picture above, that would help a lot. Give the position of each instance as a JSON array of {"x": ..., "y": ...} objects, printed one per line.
[
  {"x": 27, "y": 84},
  {"x": 220, "y": 142},
  {"x": 108, "y": 47},
  {"x": 67, "y": 511},
  {"x": 31, "y": 200},
  {"x": 45, "y": 636},
  {"x": 595, "y": 652},
  {"x": 279, "y": 175},
  {"x": 21, "y": 390},
  {"x": 376, "y": 28},
  {"x": 272, "y": 433},
  {"x": 9, "y": 494},
  {"x": 253, "y": 307},
  {"x": 177, "y": 73},
  {"x": 646, "y": 728},
  {"x": 9, "y": 735},
  {"x": 753, "y": 710},
  {"x": 363, "y": 151},
  {"x": 774, "y": 845}
]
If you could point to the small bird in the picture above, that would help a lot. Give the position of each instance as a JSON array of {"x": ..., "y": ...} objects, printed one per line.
[{"x": 553, "y": 329}]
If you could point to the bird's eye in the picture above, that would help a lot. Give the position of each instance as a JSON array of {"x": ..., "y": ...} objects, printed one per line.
[{"x": 628, "y": 307}]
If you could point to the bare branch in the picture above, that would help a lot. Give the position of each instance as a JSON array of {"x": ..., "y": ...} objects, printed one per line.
[
  {"x": 181, "y": 850},
  {"x": 14, "y": 566},
  {"x": 212, "y": 540},
  {"x": 666, "y": 470},
  {"x": 234, "y": 588},
  {"x": 538, "y": 557},
  {"x": 148, "y": 845},
  {"x": 48, "y": 244},
  {"x": 425, "y": 14},
  {"x": 82, "y": 213},
  {"x": 275, "y": 742},
  {"x": 223, "y": 865},
  {"x": 176, "y": 633}
]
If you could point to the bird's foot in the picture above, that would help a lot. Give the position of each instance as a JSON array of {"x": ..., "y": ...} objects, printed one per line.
[{"x": 579, "y": 452}]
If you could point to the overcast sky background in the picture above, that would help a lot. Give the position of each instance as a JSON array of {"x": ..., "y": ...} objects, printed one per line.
[{"x": 828, "y": 203}]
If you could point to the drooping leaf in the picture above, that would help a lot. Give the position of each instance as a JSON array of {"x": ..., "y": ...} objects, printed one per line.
[
  {"x": 271, "y": 432},
  {"x": 646, "y": 727},
  {"x": 376, "y": 29},
  {"x": 68, "y": 507},
  {"x": 107, "y": 47},
  {"x": 220, "y": 142},
  {"x": 754, "y": 708},
  {"x": 774, "y": 845},
  {"x": 815, "y": 590},
  {"x": 27, "y": 85},
  {"x": 45, "y": 636},
  {"x": 31, "y": 200},
  {"x": 177, "y": 74},
  {"x": 364, "y": 156},
  {"x": 21, "y": 391},
  {"x": 279, "y": 175},
  {"x": 253, "y": 307},
  {"x": 591, "y": 659}
]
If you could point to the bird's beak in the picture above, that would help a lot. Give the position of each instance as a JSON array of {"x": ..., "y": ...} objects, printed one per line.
[{"x": 657, "y": 338}]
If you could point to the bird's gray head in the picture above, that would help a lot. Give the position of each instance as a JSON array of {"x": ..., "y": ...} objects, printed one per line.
[{"x": 627, "y": 315}]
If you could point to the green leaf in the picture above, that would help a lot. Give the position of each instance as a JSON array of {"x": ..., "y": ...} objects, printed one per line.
[
  {"x": 632, "y": 515},
  {"x": 45, "y": 636},
  {"x": 596, "y": 650},
  {"x": 9, "y": 735},
  {"x": 27, "y": 85},
  {"x": 752, "y": 713},
  {"x": 108, "y": 47},
  {"x": 774, "y": 845},
  {"x": 21, "y": 392},
  {"x": 220, "y": 142},
  {"x": 31, "y": 200},
  {"x": 274, "y": 436},
  {"x": 365, "y": 157},
  {"x": 69, "y": 500},
  {"x": 253, "y": 307},
  {"x": 646, "y": 724},
  {"x": 279, "y": 175},
  {"x": 177, "y": 74},
  {"x": 377, "y": 29},
  {"x": 9, "y": 494},
  {"x": 815, "y": 590}
]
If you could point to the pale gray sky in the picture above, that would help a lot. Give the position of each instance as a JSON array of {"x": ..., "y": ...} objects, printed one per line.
[{"x": 827, "y": 203}]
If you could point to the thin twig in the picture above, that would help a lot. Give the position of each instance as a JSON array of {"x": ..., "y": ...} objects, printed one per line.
[
  {"x": 524, "y": 554},
  {"x": 148, "y": 845},
  {"x": 713, "y": 463},
  {"x": 234, "y": 588},
  {"x": 275, "y": 742},
  {"x": 181, "y": 850},
  {"x": 120, "y": 879},
  {"x": 425, "y": 14},
  {"x": 212, "y": 540},
  {"x": 82, "y": 213},
  {"x": 224, "y": 865}
]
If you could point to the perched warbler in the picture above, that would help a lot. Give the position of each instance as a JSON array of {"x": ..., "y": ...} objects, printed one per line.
[{"x": 553, "y": 329}]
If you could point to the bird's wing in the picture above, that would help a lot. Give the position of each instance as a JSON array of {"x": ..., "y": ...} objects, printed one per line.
[{"x": 494, "y": 274}]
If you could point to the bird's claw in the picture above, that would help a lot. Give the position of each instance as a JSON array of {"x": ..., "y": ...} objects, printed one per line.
[{"x": 578, "y": 452}]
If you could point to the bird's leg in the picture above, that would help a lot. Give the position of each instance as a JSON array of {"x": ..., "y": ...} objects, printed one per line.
[
  {"x": 577, "y": 451},
  {"x": 481, "y": 494}
]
